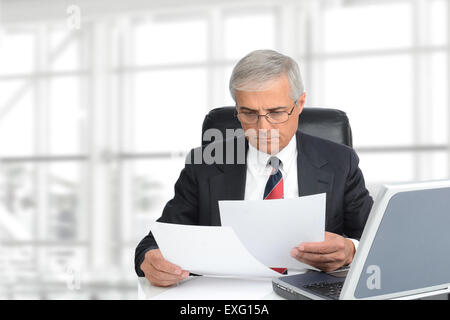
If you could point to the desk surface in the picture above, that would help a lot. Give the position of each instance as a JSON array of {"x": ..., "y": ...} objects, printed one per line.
[{"x": 210, "y": 288}]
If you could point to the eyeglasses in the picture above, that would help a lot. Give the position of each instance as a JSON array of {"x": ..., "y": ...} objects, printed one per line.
[{"x": 275, "y": 117}]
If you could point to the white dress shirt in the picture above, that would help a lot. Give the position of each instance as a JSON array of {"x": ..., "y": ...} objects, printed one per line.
[{"x": 258, "y": 172}]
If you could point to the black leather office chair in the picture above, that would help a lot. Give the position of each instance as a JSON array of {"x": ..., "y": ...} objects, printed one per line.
[{"x": 330, "y": 124}]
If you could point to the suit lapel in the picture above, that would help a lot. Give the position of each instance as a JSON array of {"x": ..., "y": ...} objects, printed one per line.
[
  {"x": 228, "y": 185},
  {"x": 311, "y": 176}
]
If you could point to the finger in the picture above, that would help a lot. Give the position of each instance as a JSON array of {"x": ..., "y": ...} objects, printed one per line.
[
  {"x": 164, "y": 276},
  {"x": 159, "y": 278},
  {"x": 318, "y": 265},
  {"x": 324, "y": 266},
  {"x": 337, "y": 257},
  {"x": 313, "y": 257},
  {"x": 324, "y": 247},
  {"x": 158, "y": 267},
  {"x": 160, "y": 283},
  {"x": 326, "y": 263},
  {"x": 161, "y": 264}
]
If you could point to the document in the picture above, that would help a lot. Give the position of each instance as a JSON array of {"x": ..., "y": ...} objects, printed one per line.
[
  {"x": 269, "y": 229},
  {"x": 207, "y": 251}
]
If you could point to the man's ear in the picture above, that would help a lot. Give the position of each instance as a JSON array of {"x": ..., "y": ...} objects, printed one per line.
[{"x": 301, "y": 102}]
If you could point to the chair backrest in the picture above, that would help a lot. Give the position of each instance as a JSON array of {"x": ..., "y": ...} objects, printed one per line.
[{"x": 330, "y": 124}]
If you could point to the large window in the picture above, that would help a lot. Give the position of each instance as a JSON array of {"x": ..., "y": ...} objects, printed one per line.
[
  {"x": 95, "y": 122},
  {"x": 385, "y": 64}
]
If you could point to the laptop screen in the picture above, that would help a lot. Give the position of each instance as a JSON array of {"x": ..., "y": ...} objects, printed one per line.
[{"x": 411, "y": 247}]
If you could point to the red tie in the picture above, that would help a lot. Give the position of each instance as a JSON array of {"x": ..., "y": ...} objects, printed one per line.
[
  {"x": 274, "y": 186},
  {"x": 274, "y": 190}
]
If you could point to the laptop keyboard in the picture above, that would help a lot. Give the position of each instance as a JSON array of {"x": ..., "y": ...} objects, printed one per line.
[{"x": 329, "y": 289}]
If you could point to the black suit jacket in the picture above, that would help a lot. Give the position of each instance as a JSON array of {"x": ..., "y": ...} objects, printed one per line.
[{"x": 322, "y": 166}]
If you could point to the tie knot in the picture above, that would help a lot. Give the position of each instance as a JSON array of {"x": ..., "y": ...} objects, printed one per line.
[
  {"x": 274, "y": 162},
  {"x": 274, "y": 186}
]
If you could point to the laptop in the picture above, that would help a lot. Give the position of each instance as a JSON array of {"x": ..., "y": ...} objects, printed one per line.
[{"x": 403, "y": 253}]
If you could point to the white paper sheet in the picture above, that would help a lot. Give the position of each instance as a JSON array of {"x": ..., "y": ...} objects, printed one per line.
[
  {"x": 207, "y": 288},
  {"x": 269, "y": 229},
  {"x": 207, "y": 250}
]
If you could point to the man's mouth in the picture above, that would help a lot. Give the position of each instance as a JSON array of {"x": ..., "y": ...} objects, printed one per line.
[{"x": 268, "y": 139}]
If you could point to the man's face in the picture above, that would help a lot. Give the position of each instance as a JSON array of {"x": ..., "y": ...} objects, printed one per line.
[{"x": 263, "y": 135}]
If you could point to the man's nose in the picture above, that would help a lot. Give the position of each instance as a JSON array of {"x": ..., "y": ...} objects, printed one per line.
[{"x": 263, "y": 124}]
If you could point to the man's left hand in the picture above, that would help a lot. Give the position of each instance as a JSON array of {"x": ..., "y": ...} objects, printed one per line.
[{"x": 331, "y": 254}]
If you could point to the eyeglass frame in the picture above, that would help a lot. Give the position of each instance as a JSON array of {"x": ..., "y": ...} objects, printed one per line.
[{"x": 236, "y": 114}]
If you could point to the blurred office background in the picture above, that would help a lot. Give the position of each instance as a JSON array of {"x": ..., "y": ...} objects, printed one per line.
[{"x": 100, "y": 100}]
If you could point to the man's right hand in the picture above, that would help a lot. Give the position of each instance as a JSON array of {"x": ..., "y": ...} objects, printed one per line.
[{"x": 160, "y": 272}]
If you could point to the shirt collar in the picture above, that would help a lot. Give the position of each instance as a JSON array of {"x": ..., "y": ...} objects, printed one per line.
[{"x": 286, "y": 155}]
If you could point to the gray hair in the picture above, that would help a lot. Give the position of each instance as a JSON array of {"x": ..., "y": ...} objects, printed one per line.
[{"x": 254, "y": 72}]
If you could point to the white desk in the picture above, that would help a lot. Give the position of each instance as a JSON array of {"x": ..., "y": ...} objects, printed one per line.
[{"x": 209, "y": 288}]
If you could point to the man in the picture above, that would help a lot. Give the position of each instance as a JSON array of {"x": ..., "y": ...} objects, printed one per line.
[{"x": 279, "y": 163}]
